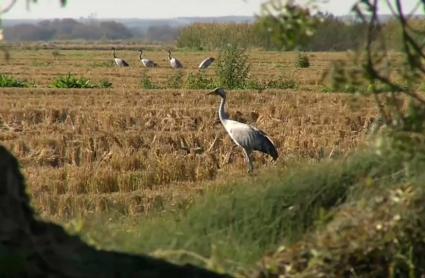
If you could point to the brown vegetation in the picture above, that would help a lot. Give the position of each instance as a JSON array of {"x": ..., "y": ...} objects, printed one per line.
[{"x": 130, "y": 151}]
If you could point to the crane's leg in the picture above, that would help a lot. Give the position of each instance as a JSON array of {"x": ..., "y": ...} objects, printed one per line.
[{"x": 248, "y": 160}]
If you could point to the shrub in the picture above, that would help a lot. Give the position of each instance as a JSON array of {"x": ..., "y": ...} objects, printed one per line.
[
  {"x": 341, "y": 78},
  {"x": 232, "y": 67},
  {"x": 175, "y": 81},
  {"x": 303, "y": 61},
  {"x": 8, "y": 81},
  {"x": 147, "y": 82}
]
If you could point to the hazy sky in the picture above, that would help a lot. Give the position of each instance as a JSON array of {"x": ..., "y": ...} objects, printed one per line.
[{"x": 156, "y": 8}]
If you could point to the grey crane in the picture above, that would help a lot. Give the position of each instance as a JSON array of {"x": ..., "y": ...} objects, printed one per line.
[
  {"x": 118, "y": 61},
  {"x": 245, "y": 136},
  {"x": 206, "y": 63},
  {"x": 146, "y": 62},
  {"x": 174, "y": 63}
]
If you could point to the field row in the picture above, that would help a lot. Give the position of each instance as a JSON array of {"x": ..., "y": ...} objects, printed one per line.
[
  {"x": 117, "y": 145},
  {"x": 42, "y": 67}
]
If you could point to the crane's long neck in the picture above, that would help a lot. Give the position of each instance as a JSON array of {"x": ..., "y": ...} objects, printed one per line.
[
  {"x": 141, "y": 54},
  {"x": 169, "y": 56},
  {"x": 221, "y": 113},
  {"x": 115, "y": 56}
]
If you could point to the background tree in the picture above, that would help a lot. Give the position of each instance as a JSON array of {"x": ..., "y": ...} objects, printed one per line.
[{"x": 288, "y": 25}]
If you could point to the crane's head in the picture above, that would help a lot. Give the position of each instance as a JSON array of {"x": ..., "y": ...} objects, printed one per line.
[
  {"x": 113, "y": 48},
  {"x": 218, "y": 92}
]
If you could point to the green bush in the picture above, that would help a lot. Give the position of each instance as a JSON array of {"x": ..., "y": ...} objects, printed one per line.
[
  {"x": 175, "y": 81},
  {"x": 232, "y": 67},
  {"x": 303, "y": 61},
  {"x": 8, "y": 81},
  {"x": 346, "y": 79},
  {"x": 147, "y": 81}
]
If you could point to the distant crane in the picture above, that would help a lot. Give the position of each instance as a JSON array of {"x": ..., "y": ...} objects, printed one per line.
[
  {"x": 146, "y": 62},
  {"x": 174, "y": 63},
  {"x": 118, "y": 61},
  {"x": 245, "y": 136},
  {"x": 206, "y": 63}
]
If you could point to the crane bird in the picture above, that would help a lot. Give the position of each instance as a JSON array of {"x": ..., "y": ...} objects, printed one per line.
[
  {"x": 206, "y": 63},
  {"x": 174, "y": 63},
  {"x": 118, "y": 61},
  {"x": 245, "y": 136},
  {"x": 146, "y": 62}
]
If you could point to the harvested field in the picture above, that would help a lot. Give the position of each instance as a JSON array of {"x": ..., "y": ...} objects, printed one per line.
[{"x": 129, "y": 150}]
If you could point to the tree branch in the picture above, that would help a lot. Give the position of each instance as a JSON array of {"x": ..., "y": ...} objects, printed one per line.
[{"x": 8, "y": 7}]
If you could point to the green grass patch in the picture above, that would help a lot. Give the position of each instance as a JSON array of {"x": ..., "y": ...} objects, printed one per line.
[
  {"x": 10, "y": 82},
  {"x": 199, "y": 80},
  {"x": 147, "y": 82},
  {"x": 72, "y": 81},
  {"x": 176, "y": 80}
]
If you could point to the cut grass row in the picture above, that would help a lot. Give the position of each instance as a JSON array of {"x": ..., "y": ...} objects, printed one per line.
[
  {"x": 198, "y": 80},
  {"x": 275, "y": 69}
]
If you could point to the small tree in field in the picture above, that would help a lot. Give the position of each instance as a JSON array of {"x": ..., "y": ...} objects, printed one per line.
[{"x": 232, "y": 67}]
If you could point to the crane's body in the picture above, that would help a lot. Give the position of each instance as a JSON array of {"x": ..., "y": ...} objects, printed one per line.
[
  {"x": 206, "y": 63},
  {"x": 146, "y": 62},
  {"x": 174, "y": 63},
  {"x": 118, "y": 61},
  {"x": 246, "y": 136}
]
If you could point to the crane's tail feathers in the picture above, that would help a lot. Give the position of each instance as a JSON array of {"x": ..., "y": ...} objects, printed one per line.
[{"x": 267, "y": 146}]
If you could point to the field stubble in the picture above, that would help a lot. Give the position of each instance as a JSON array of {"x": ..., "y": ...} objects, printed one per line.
[{"x": 128, "y": 151}]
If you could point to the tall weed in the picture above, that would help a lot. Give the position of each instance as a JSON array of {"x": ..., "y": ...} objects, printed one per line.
[{"x": 233, "y": 67}]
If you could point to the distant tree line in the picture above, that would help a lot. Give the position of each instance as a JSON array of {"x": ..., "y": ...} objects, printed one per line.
[
  {"x": 70, "y": 29},
  {"x": 65, "y": 29},
  {"x": 331, "y": 34}
]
